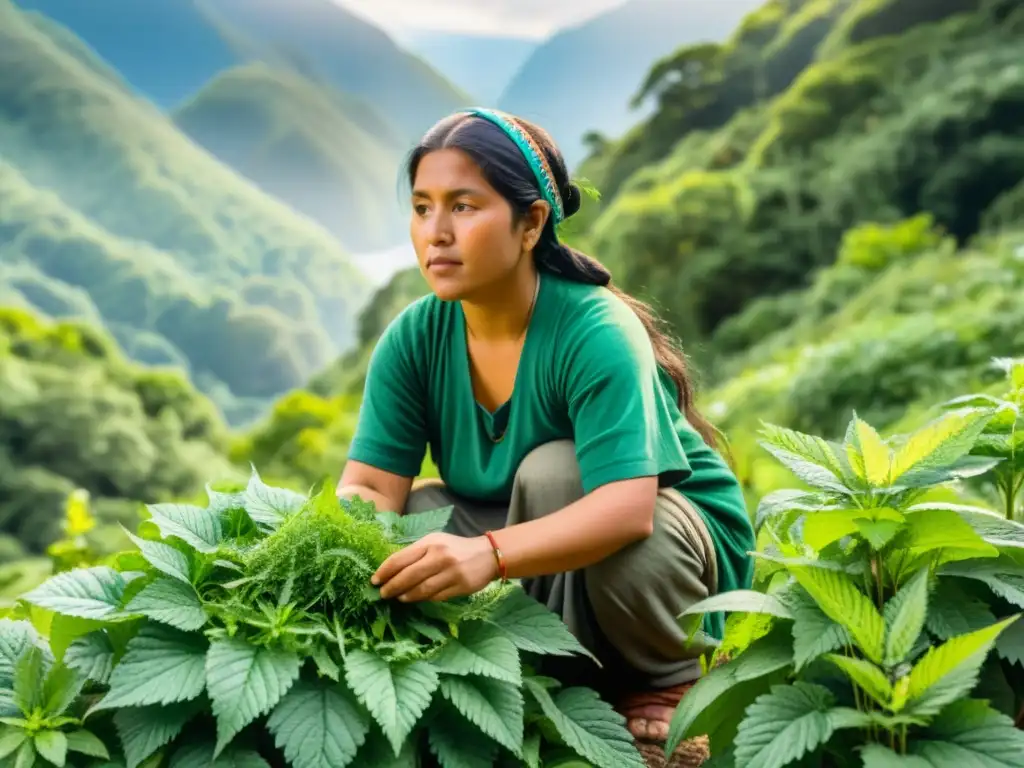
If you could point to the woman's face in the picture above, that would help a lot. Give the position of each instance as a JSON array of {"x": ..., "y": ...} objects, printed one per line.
[{"x": 462, "y": 229}]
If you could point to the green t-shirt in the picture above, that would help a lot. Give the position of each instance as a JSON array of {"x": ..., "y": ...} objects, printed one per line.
[{"x": 587, "y": 372}]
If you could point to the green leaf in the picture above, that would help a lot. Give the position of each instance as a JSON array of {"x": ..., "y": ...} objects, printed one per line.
[
  {"x": 89, "y": 593},
  {"x": 905, "y": 615},
  {"x": 1004, "y": 577},
  {"x": 245, "y": 682},
  {"x": 412, "y": 528},
  {"x": 991, "y": 527},
  {"x": 866, "y": 675},
  {"x": 199, "y": 528},
  {"x": 201, "y": 755},
  {"x": 807, "y": 472},
  {"x": 60, "y": 689},
  {"x": 53, "y": 746},
  {"x": 318, "y": 725},
  {"x": 970, "y": 733},
  {"x": 16, "y": 637},
  {"x": 161, "y": 666},
  {"x": 170, "y": 602},
  {"x": 589, "y": 726},
  {"x": 534, "y": 628},
  {"x": 696, "y": 712},
  {"x": 879, "y": 533},
  {"x": 1010, "y": 643},
  {"x": 457, "y": 744},
  {"x": 268, "y": 506},
  {"x": 144, "y": 730},
  {"x": 952, "y": 611},
  {"x": 941, "y": 442},
  {"x": 480, "y": 649},
  {"x": 808, "y": 447},
  {"x": 92, "y": 656},
  {"x": 87, "y": 743},
  {"x": 782, "y": 726},
  {"x": 163, "y": 557},
  {"x": 841, "y": 600},
  {"x": 949, "y": 671},
  {"x": 11, "y": 738},
  {"x": 869, "y": 455},
  {"x": 495, "y": 707},
  {"x": 396, "y": 694},
  {"x": 877, "y": 756},
  {"x": 28, "y": 679},
  {"x": 377, "y": 753},
  {"x": 741, "y": 601},
  {"x": 945, "y": 530}
]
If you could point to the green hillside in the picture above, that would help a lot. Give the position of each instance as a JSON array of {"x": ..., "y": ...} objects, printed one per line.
[
  {"x": 75, "y": 414},
  {"x": 718, "y": 200},
  {"x": 814, "y": 249},
  {"x": 327, "y": 155},
  {"x": 180, "y": 256}
]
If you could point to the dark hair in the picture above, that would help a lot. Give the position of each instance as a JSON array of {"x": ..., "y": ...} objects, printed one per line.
[{"x": 507, "y": 170}]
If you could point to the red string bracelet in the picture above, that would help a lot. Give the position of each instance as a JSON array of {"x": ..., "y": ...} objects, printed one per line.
[{"x": 502, "y": 568}]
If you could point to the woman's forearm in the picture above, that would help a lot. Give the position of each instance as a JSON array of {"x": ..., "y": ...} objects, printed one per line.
[{"x": 581, "y": 534}]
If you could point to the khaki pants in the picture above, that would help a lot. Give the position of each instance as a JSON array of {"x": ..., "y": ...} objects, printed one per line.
[{"x": 624, "y": 608}]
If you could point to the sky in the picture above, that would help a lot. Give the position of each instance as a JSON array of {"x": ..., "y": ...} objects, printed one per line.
[{"x": 512, "y": 18}]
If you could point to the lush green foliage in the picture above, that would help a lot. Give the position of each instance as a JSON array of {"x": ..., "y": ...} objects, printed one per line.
[
  {"x": 248, "y": 631},
  {"x": 111, "y": 213},
  {"x": 868, "y": 642},
  {"x": 75, "y": 415}
]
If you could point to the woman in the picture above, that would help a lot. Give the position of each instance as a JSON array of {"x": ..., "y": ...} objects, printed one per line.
[{"x": 559, "y": 416}]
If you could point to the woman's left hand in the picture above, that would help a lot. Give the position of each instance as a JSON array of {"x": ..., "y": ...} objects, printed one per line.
[{"x": 439, "y": 566}]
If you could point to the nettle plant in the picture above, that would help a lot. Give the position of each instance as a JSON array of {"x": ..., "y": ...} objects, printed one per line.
[
  {"x": 246, "y": 633},
  {"x": 870, "y": 639}
]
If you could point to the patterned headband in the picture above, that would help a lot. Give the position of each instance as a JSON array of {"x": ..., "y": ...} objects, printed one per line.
[{"x": 533, "y": 154}]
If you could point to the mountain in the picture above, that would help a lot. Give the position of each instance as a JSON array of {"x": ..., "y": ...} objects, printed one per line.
[
  {"x": 166, "y": 49},
  {"x": 326, "y": 42},
  {"x": 581, "y": 79},
  {"x": 328, "y": 155},
  {"x": 107, "y": 204},
  {"x": 169, "y": 49},
  {"x": 481, "y": 65}
]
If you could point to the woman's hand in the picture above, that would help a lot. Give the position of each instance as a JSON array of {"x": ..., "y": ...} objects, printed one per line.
[{"x": 439, "y": 566}]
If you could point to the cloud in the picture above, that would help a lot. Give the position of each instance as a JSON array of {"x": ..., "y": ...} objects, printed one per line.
[{"x": 513, "y": 18}]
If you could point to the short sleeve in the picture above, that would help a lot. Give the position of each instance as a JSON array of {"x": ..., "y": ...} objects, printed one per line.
[
  {"x": 623, "y": 422},
  {"x": 391, "y": 432}
]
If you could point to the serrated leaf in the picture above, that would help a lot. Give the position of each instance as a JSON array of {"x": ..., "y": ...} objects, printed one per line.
[
  {"x": 53, "y": 746},
  {"x": 61, "y": 687},
  {"x": 868, "y": 453},
  {"x": 534, "y": 628},
  {"x": 170, "y": 602},
  {"x": 808, "y": 447},
  {"x": 89, "y": 593},
  {"x": 781, "y": 502},
  {"x": 144, "y": 730},
  {"x": 412, "y": 528},
  {"x": 480, "y": 649},
  {"x": 245, "y": 682},
  {"x": 495, "y": 707},
  {"x": 940, "y": 443},
  {"x": 396, "y": 694},
  {"x": 812, "y": 474},
  {"x": 11, "y": 739},
  {"x": 994, "y": 529},
  {"x": 941, "y": 529},
  {"x": 952, "y": 611},
  {"x": 163, "y": 557},
  {"x": 457, "y": 744},
  {"x": 92, "y": 656},
  {"x": 28, "y": 679},
  {"x": 841, "y": 600},
  {"x": 970, "y": 733},
  {"x": 161, "y": 665},
  {"x": 782, "y": 726},
  {"x": 1010, "y": 643},
  {"x": 589, "y": 726},
  {"x": 318, "y": 725},
  {"x": 877, "y": 756},
  {"x": 16, "y": 637},
  {"x": 949, "y": 671},
  {"x": 376, "y": 752},
  {"x": 87, "y": 743},
  {"x": 879, "y": 533},
  {"x": 268, "y": 506},
  {"x": 201, "y": 755},
  {"x": 766, "y": 656},
  {"x": 199, "y": 528},
  {"x": 905, "y": 615},
  {"x": 866, "y": 675}
]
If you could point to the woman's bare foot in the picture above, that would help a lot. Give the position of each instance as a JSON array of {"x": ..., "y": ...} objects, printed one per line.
[{"x": 648, "y": 713}]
